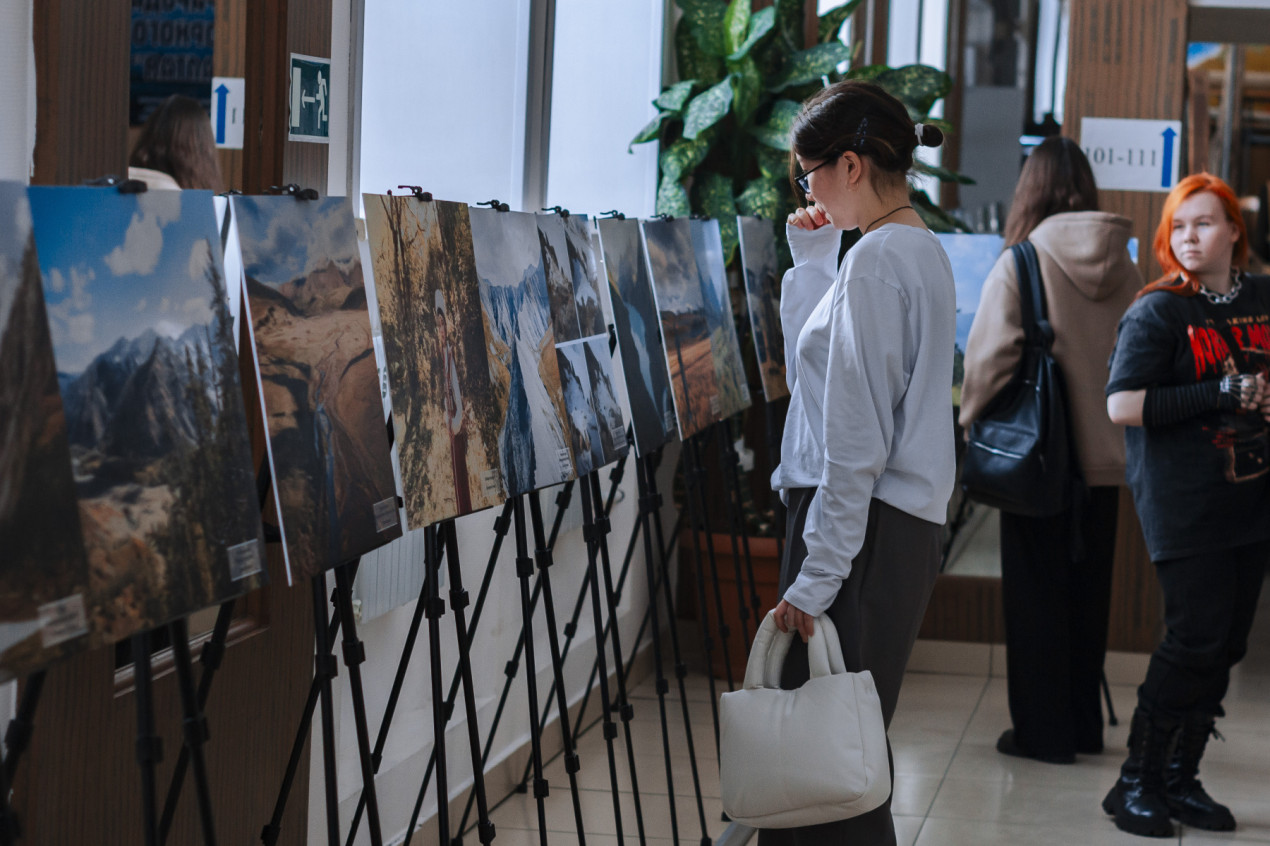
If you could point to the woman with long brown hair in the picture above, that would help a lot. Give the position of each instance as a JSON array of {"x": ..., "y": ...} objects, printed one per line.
[
  {"x": 176, "y": 142},
  {"x": 1056, "y": 583},
  {"x": 1188, "y": 380}
]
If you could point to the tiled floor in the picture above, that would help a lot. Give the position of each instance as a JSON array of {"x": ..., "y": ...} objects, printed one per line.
[{"x": 952, "y": 788}]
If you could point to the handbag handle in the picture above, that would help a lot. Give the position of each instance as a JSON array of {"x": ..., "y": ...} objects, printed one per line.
[{"x": 771, "y": 645}]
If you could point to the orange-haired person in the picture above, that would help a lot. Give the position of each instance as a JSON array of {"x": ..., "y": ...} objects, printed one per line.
[{"x": 1188, "y": 380}]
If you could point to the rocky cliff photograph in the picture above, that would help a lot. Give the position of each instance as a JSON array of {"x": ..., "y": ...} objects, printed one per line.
[
  {"x": 148, "y": 374},
  {"x": 445, "y": 412},
  {"x": 762, "y": 297},
  {"x": 43, "y": 572},
  {"x": 513, "y": 261},
  {"x": 638, "y": 328},
  {"x": 328, "y": 439}
]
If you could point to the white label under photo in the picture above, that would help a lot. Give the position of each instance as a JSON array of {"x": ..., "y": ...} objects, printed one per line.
[
  {"x": 385, "y": 514},
  {"x": 1132, "y": 155},
  {"x": 244, "y": 559},
  {"x": 63, "y": 620}
]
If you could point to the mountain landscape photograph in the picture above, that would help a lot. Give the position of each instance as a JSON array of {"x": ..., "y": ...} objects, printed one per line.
[
  {"x": 685, "y": 328},
  {"x": 148, "y": 375},
  {"x": 310, "y": 327},
  {"x": 638, "y": 327},
  {"x": 513, "y": 259},
  {"x": 972, "y": 258},
  {"x": 584, "y": 425},
  {"x": 585, "y": 272},
  {"x": 43, "y": 570},
  {"x": 608, "y": 409},
  {"x": 725, "y": 347},
  {"x": 762, "y": 297},
  {"x": 445, "y": 412}
]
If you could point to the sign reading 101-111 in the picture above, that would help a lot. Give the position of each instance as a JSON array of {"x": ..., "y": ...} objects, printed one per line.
[{"x": 1132, "y": 155}]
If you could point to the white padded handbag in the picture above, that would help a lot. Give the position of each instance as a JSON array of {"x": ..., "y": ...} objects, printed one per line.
[{"x": 807, "y": 756}]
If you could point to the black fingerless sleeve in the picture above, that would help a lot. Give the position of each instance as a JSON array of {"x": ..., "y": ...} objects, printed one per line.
[{"x": 1174, "y": 403}]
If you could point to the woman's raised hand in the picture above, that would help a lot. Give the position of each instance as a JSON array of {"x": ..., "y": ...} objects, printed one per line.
[{"x": 810, "y": 218}]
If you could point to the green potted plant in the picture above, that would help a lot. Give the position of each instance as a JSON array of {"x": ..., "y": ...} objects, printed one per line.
[{"x": 723, "y": 132}]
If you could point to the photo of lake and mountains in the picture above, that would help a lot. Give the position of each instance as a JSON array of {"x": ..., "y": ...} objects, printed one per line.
[
  {"x": 148, "y": 374},
  {"x": 328, "y": 440},
  {"x": 43, "y": 573},
  {"x": 445, "y": 412},
  {"x": 638, "y": 327}
]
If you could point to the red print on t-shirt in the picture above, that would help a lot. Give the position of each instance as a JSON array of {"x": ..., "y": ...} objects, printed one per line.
[{"x": 1208, "y": 348}]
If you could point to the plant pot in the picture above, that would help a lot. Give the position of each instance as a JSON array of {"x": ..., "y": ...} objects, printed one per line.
[{"x": 767, "y": 570}]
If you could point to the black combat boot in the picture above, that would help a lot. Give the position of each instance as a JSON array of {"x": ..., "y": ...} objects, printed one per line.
[
  {"x": 1137, "y": 801},
  {"x": 1188, "y": 802}
]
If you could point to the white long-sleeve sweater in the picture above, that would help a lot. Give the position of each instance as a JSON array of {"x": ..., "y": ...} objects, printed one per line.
[{"x": 869, "y": 366}]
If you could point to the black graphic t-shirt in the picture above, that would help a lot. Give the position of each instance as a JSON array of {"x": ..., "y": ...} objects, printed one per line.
[{"x": 1201, "y": 484}]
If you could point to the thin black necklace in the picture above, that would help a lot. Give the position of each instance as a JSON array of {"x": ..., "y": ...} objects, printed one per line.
[{"x": 885, "y": 216}]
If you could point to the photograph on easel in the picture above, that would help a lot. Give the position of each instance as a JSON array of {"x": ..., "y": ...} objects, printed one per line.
[
  {"x": 685, "y": 324},
  {"x": 43, "y": 573},
  {"x": 638, "y": 328},
  {"x": 725, "y": 348},
  {"x": 445, "y": 413},
  {"x": 762, "y": 295},
  {"x": 319, "y": 386},
  {"x": 513, "y": 261},
  {"x": 585, "y": 273},
  {"x": 972, "y": 258},
  {"x": 145, "y": 356},
  {"x": 608, "y": 410}
]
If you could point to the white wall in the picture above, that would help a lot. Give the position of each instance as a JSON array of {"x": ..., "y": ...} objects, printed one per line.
[
  {"x": 442, "y": 105},
  {"x": 17, "y": 90}
]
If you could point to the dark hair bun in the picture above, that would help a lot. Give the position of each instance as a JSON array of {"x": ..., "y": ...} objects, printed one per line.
[{"x": 930, "y": 136}]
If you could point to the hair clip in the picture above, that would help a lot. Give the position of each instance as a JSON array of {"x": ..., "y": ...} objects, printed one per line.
[
  {"x": 859, "y": 133},
  {"x": 917, "y": 130}
]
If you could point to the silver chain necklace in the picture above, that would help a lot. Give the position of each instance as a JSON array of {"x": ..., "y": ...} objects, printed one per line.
[{"x": 1226, "y": 298}]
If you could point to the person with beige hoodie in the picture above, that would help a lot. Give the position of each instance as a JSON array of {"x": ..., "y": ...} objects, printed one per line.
[{"x": 1056, "y": 587}]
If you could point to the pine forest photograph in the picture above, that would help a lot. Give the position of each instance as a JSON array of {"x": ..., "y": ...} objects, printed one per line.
[
  {"x": 445, "y": 412},
  {"x": 762, "y": 296},
  {"x": 514, "y": 260},
  {"x": 685, "y": 324},
  {"x": 148, "y": 374},
  {"x": 328, "y": 442},
  {"x": 43, "y": 573},
  {"x": 639, "y": 344},
  {"x": 729, "y": 368}
]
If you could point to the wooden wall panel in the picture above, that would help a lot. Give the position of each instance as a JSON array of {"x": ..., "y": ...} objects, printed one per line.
[
  {"x": 81, "y": 70},
  {"x": 230, "y": 59},
  {"x": 1128, "y": 59},
  {"x": 308, "y": 32}
]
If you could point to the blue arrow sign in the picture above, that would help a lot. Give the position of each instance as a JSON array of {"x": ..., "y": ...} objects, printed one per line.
[
  {"x": 1166, "y": 177},
  {"x": 222, "y": 96}
]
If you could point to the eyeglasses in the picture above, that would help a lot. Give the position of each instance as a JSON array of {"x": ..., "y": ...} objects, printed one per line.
[{"x": 801, "y": 178}]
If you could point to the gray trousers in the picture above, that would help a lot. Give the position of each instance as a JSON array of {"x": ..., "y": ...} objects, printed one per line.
[{"x": 877, "y": 612}]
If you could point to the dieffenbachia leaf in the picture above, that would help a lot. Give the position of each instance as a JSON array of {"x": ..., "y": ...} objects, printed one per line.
[
  {"x": 806, "y": 65},
  {"x": 772, "y": 163},
  {"x": 831, "y": 21},
  {"x": 736, "y": 23},
  {"x": 651, "y": 132},
  {"x": 693, "y": 62},
  {"x": 672, "y": 199},
  {"x": 683, "y": 155},
  {"x": 943, "y": 174},
  {"x": 713, "y": 196},
  {"x": 707, "y": 108},
  {"x": 747, "y": 89},
  {"x": 674, "y": 97},
  {"x": 866, "y": 72},
  {"x": 762, "y": 197},
  {"x": 775, "y": 133},
  {"x": 706, "y": 20},
  {"x": 761, "y": 23},
  {"x": 918, "y": 87},
  {"x": 789, "y": 18}
]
